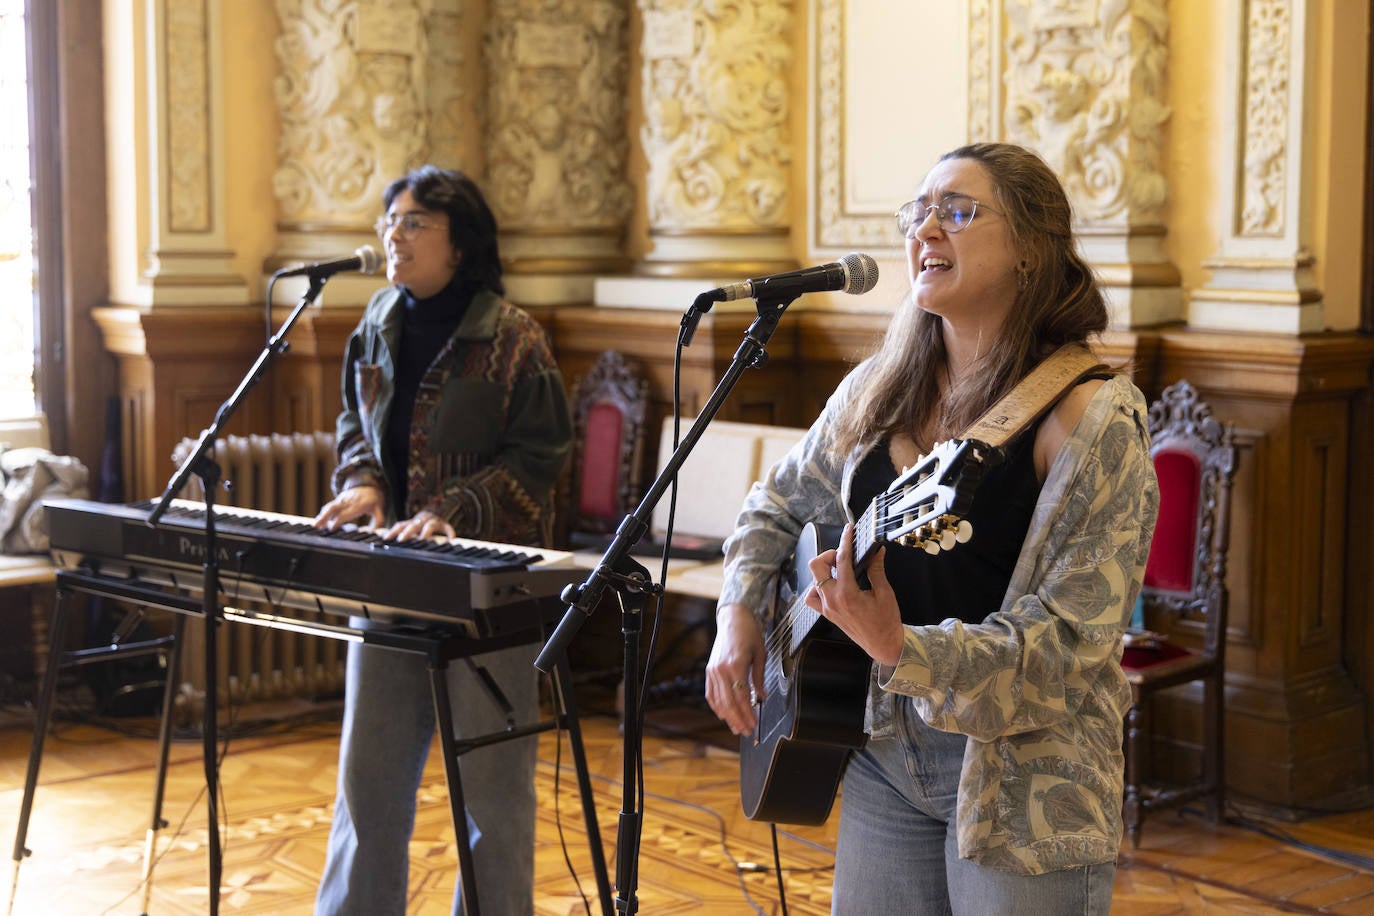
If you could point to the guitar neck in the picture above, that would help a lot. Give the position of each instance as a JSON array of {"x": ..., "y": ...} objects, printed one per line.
[{"x": 866, "y": 539}]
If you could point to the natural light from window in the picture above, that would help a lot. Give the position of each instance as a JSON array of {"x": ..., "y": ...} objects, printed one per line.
[{"x": 16, "y": 220}]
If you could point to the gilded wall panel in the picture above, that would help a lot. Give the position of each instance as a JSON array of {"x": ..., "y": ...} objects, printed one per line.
[
  {"x": 351, "y": 93},
  {"x": 556, "y": 149},
  {"x": 884, "y": 112},
  {"x": 717, "y": 132},
  {"x": 1085, "y": 87},
  {"x": 188, "y": 128}
]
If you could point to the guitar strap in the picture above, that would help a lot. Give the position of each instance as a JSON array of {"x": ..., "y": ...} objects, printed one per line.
[{"x": 1035, "y": 394}]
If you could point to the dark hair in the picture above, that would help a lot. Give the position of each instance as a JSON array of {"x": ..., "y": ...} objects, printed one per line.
[
  {"x": 471, "y": 225},
  {"x": 1059, "y": 302}
]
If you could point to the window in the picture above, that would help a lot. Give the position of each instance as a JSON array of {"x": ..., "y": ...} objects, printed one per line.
[{"x": 17, "y": 280}]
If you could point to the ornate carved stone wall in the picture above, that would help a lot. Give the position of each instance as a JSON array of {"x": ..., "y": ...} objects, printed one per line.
[
  {"x": 717, "y": 135},
  {"x": 1085, "y": 87},
  {"x": 556, "y": 144},
  {"x": 1262, "y": 276},
  {"x": 366, "y": 90}
]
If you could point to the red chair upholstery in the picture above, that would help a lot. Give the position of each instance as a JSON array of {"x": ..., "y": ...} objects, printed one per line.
[
  {"x": 610, "y": 407},
  {"x": 1185, "y": 579}
]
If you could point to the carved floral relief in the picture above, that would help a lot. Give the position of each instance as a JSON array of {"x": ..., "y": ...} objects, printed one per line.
[
  {"x": 351, "y": 92},
  {"x": 1264, "y": 142},
  {"x": 717, "y": 131},
  {"x": 556, "y": 101},
  {"x": 1085, "y": 88}
]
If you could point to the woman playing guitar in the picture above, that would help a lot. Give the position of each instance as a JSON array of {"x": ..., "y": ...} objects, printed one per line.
[{"x": 990, "y": 779}]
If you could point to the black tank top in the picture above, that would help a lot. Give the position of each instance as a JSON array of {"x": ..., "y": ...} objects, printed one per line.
[{"x": 969, "y": 581}]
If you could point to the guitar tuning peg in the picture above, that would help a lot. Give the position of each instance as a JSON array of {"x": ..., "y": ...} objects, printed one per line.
[
  {"x": 931, "y": 547},
  {"x": 963, "y": 531},
  {"x": 948, "y": 538}
]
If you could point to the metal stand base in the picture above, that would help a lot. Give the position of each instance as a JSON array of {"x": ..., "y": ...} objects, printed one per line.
[{"x": 439, "y": 648}]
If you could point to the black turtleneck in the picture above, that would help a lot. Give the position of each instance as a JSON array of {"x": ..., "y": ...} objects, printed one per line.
[{"x": 426, "y": 328}]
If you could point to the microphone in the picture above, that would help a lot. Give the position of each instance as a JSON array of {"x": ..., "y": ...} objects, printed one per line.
[
  {"x": 365, "y": 260},
  {"x": 854, "y": 273}
]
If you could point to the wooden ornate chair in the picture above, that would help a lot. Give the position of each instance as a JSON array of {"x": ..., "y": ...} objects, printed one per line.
[
  {"x": 1185, "y": 576},
  {"x": 610, "y": 409}
]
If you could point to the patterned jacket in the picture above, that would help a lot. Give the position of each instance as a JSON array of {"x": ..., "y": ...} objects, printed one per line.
[
  {"x": 1037, "y": 686},
  {"x": 490, "y": 429}
]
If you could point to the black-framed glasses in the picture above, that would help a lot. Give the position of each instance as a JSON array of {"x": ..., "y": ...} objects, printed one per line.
[
  {"x": 953, "y": 213},
  {"x": 406, "y": 225}
]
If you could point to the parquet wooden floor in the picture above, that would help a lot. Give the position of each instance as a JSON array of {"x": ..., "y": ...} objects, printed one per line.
[{"x": 94, "y": 799}]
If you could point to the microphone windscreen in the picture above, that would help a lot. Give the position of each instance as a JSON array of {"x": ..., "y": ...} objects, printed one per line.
[
  {"x": 861, "y": 272},
  {"x": 370, "y": 261}
]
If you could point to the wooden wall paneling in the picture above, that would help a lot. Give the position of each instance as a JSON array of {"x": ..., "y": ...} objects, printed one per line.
[
  {"x": 1359, "y": 584},
  {"x": 306, "y": 383},
  {"x": 648, "y": 338},
  {"x": 1295, "y": 716},
  {"x": 829, "y": 345},
  {"x": 179, "y": 365}
]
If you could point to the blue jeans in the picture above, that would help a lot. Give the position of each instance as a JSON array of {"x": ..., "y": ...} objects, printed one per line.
[
  {"x": 898, "y": 852},
  {"x": 387, "y": 731}
]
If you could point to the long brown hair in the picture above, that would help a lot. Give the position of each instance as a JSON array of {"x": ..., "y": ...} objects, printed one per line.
[{"x": 1059, "y": 302}]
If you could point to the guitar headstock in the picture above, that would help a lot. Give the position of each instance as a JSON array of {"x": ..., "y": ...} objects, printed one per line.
[{"x": 925, "y": 506}]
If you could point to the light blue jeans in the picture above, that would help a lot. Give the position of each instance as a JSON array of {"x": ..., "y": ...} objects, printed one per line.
[
  {"x": 897, "y": 850},
  {"x": 387, "y": 731}
]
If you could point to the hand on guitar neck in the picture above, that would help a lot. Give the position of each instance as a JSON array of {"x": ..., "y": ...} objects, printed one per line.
[{"x": 869, "y": 616}]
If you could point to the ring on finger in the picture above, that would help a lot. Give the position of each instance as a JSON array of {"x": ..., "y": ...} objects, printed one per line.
[{"x": 739, "y": 685}]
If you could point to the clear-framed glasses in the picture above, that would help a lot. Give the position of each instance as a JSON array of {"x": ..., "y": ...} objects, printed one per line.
[
  {"x": 953, "y": 214},
  {"x": 406, "y": 225}
]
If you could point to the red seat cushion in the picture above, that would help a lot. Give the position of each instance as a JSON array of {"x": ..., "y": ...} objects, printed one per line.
[
  {"x": 601, "y": 463},
  {"x": 1138, "y": 657},
  {"x": 1172, "y": 552}
]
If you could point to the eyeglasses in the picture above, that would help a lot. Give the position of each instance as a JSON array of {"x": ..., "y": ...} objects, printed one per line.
[
  {"x": 953, "y": 214},
  {"x": 405, "y": 226}
]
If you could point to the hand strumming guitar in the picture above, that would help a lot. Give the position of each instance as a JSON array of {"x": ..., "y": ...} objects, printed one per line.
[{"x": 734, "y": 673}]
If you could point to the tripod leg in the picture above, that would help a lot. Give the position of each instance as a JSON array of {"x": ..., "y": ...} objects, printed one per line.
[
  {"x": 567, "y": 713},
  {"x": 42, "y": 714},
  {"x": 443, "y": 722},
  {"x": 164, "y": 743}
]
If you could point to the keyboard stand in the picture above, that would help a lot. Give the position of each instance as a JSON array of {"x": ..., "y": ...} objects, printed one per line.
[{"x": 438, "y": 647}]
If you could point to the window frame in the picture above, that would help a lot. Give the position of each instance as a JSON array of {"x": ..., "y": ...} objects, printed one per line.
[{"x": 45, "y": 172}]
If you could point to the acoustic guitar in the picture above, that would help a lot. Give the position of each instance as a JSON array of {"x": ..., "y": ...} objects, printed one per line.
[{"x": 816, "y": 679}]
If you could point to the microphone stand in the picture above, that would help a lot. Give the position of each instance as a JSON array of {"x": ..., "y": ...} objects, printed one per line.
[
  {"x": 201, "y": 462},
  {"x": 617, "y": 569}
]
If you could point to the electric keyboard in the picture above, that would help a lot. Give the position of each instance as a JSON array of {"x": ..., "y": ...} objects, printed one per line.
[{"x": 283, "y": 561}]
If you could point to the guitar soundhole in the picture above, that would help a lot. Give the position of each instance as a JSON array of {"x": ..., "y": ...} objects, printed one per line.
[{"x": 787, "y": 664}]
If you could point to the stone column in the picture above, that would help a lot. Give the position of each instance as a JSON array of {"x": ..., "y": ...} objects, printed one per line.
[
  {"x": 717, "y": 136},
  {"x": 169, "y": 244},
  {"x": 1085, "y": 88},
  {"x": 367, "y": 89},
  {"x": 556, "y": 145},
  {"x": 1262, "y": 276}
]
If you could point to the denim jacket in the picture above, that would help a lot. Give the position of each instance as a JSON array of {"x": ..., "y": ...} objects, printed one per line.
[
  {"x": 490, "y": 430},
  {"x": 1037, "y": 686}
]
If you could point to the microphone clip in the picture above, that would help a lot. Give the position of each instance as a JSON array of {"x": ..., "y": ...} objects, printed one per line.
[{"x": 700, "y": 306}]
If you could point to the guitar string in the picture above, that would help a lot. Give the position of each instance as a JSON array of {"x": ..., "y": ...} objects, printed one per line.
[{"x": 782, "y": 631}]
